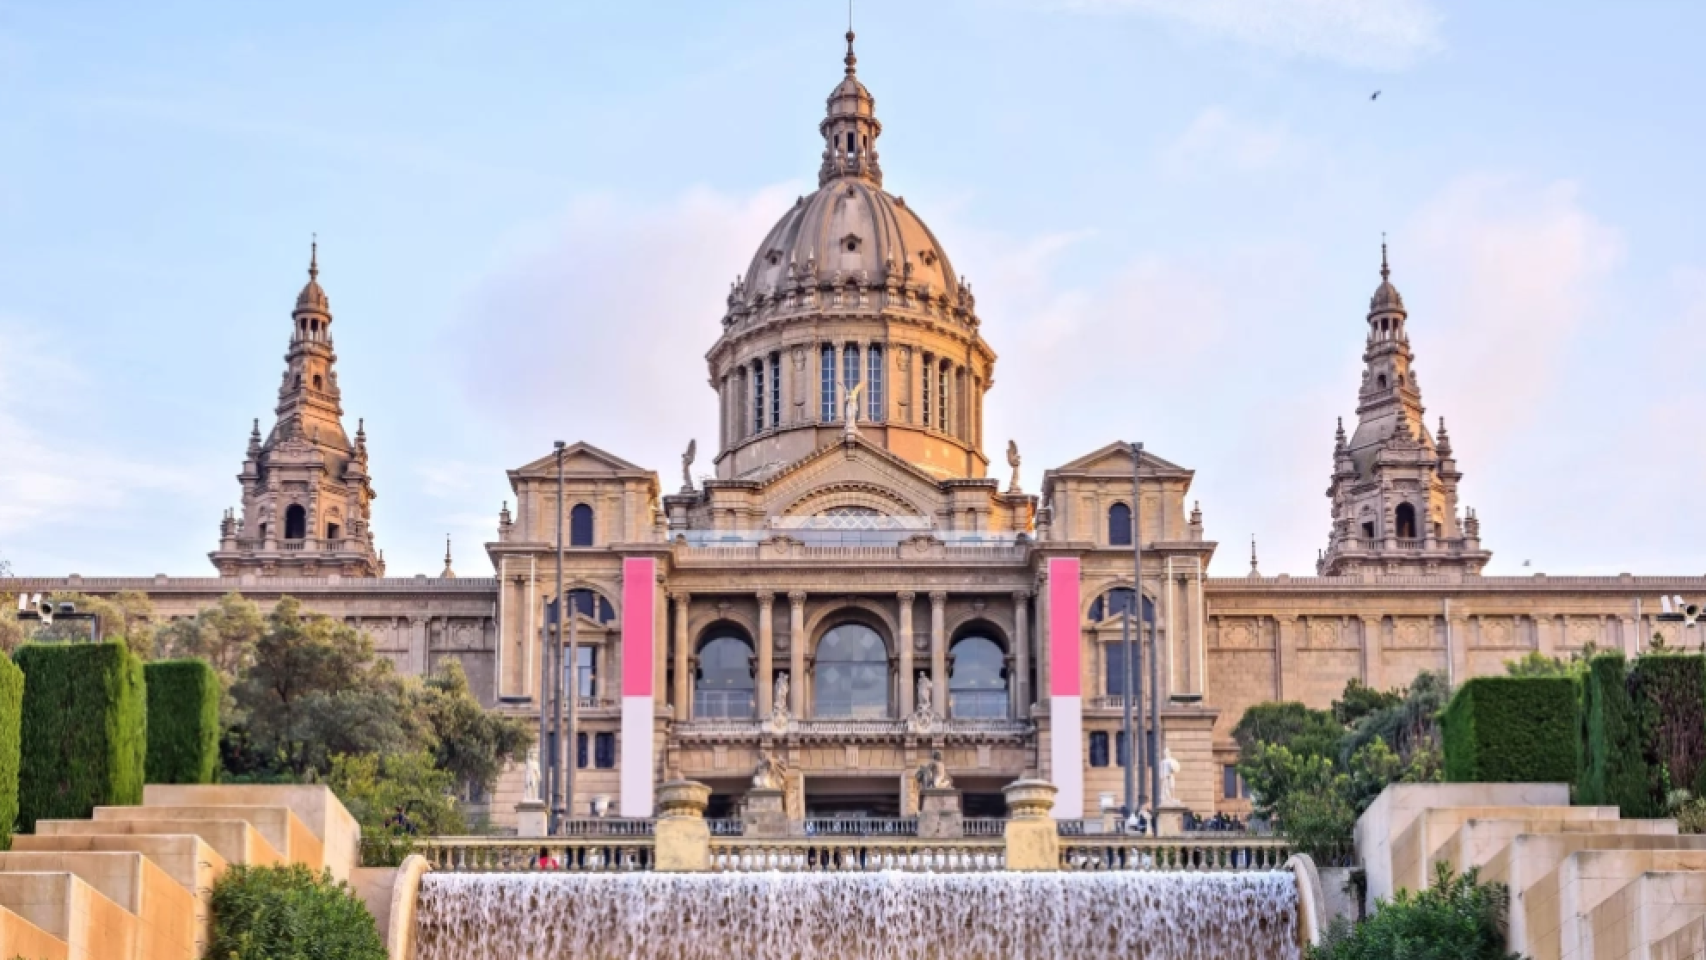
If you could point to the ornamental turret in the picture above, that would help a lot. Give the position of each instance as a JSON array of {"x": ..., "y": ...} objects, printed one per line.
[
  {"x": 1393, "y": 486},
  {"x": 306, "y": 492}
]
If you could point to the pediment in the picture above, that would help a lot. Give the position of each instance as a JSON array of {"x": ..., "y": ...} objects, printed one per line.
[
  {"x": 851, "y": 474},
  {"x": 580, "y": 459},
  {"x": 1116, "y": 458}
]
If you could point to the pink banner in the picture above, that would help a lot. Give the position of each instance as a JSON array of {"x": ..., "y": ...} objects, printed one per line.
[
  {"x": 638, "y": 598},
  {"x": 1063, "y": 619}
]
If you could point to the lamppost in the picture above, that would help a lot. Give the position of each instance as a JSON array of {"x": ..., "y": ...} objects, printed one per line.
[
  {"x": 560, "y": 778},
  {"x": 1131, "y": 692}
]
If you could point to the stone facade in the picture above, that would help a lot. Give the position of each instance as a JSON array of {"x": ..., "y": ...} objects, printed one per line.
[{"x": 850, "y": 592}]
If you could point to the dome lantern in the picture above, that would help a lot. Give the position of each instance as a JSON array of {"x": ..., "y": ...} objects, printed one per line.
[{"x": 850, "y": 129}]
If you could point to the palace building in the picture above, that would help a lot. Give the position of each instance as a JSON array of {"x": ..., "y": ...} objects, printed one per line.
[{"x": 851, "y": 589}]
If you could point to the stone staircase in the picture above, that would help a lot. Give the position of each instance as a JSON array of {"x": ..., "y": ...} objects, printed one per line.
[
  {"x": 134, "y": 883},
  {"x": 1584, "y": 883}
]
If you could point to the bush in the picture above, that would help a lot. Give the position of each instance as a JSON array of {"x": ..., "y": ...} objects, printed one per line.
[
  {"x": 84, "y": 730},
  {"x": 1669, "y": 696},
  {"x": 1512, "y": 730},
  {"x": 1613, "y": 769},
  {"x": 11, "y": 717},
  {"x": 183, "y": 721},
  {"x": 290, "y": 913},
  {"x": 1457, "y": 918}
]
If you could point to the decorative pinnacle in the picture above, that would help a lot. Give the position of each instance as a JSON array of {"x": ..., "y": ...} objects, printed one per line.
[
  {"x": 314, "y": 257},
  {"x": 850, "y": 59},
  {"x": 1385, "y": 271}
]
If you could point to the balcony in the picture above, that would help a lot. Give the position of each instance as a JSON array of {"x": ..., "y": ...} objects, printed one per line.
[
  {"x": 888, "y": 543},
  {"x": 838, "y": 729}
]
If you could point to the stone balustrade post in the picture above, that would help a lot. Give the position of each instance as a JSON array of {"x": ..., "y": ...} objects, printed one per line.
[
  {"x": 1033, "y": 841},
  {"x": 683, "y": 837}
]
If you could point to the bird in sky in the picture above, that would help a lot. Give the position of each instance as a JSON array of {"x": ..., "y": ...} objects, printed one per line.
[{"x": 1375, "y": 95}]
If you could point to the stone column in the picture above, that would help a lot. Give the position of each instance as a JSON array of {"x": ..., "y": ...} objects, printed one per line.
[
  {"x": 904, "y": 643},
  {"x": 683, "y": 684},
  {"x": 683, "y": 839},
  {"x": 939, "y": 651},
  {"x": 1285, "y": 658},
  {"x": 1021, "y": 655},
  {"x": 797, "y": 653},
  {"x": 766, "y": 645}
]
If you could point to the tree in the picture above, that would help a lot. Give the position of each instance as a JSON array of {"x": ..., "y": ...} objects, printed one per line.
[
  {"x": 472, "y": 743},
  {"x": 314, "y": 690},
  {"x": 126, "y": 615},
  {"x": 11, "y": 630},
  {"x": 225, "y": 635},
  {"x": 1359, "y": 701},
  {"x": 1537, "y": 664},
  {"x": 376, "y": 788},
  {"x": 1409, "y": 726},
  {"x": 1293, "y": 725},
  {"x": 1456, "y": 918}
]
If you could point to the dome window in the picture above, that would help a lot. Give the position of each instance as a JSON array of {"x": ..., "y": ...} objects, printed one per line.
[
  {"x": 773, "y": 257},
  {"x": 850, "y": 243},
  {"x": 929, "y": 258}
]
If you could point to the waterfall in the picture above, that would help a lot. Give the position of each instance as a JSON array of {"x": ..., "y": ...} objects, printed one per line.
[{"x": 858, "y": 916}]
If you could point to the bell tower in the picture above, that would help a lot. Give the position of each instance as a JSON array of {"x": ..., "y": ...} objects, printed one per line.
[
  {"x": 306, "y": 492},
  {"x": 1394, "y": 486}
]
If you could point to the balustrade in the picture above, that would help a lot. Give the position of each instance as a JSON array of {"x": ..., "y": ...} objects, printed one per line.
[
  {"x": 852, "y": 855},
  {"x": 1123, "y": 853},
  {"x": 514, "y": 855}
]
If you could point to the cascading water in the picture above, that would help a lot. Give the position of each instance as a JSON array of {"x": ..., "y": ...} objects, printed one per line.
[{"x": 858, "y": 916}]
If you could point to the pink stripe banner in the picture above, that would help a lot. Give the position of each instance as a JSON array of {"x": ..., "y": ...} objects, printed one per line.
[
  {"x": 1065, "y": 673},
  {"x": 638, "y": 599}
]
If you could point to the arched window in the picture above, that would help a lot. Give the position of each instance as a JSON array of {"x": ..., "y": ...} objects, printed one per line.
[
  {"x": 851, "y": 676},
  {"x": 1380, "y": 381},
  {"x": 775, "y": 390},
  {"x": 826, "y": 374},
  {"x": 318, "y": 383},
  {"x": 295, "y": 522},
  {"x": 924, "y": 393},
  {"x": 942, "y": 397},
  {"x": 332, "y": 531},
  {"x": 580, "y": 526},
  {"x": 977, "y": 679},
  {"x": 1406, "y": 517},
  {"x": 1119, "y": 525},
  {"x": 722, "y": 687},
  {"x": 592, "y": 604},
  {"x": 874, "y": 384},
  {"x": 1117, "y": 601}
]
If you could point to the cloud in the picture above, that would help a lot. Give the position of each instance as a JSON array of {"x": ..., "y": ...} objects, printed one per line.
[
  {"x": 1217, "y": 143},
  {"x": 1374, "y": 34},
  {"x": 1510, "y": 273},
  {"x": 597, "y": 322}
]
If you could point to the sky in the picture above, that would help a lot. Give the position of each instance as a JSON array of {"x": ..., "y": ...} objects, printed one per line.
[{"x": 1170, "y": 210}]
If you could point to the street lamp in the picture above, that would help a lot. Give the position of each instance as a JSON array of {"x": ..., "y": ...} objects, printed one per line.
[
  {"x": 560, "y": 778},
  {"x": 1133, "y": 665}
]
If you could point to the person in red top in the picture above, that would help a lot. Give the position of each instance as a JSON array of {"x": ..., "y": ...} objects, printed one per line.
[{"x": 545, "y": 861}]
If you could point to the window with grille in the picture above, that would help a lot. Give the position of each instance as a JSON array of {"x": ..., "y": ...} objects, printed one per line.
[
  {"x": 758, "y": 397},
  {"x": 775, "y": 389},
  {"x": 826, "y": 405},
  {"x": 874, "y": 384},
  {"x": 850, "y": 366}
]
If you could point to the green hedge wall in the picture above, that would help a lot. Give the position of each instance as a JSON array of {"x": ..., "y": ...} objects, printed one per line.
[
  {"x": 1669, "y": 693},
  {"x": 1614, "y": 769},
  {"x": 183, "y": 721},
  {"x": 1512, "y": 730},
  {"x": 84, "y": 730},
  {"x": 11, "y": 714}
]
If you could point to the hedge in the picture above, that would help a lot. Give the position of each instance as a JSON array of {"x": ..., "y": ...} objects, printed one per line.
[
  {"x": 1613, "y": 770},
  {"x": 183, "y": 721},
  {"x": 1669, "y": 694},
  {"x": 11, "y": 714},
  {"x": 272, "y": 912},
  {"x": 84, "y": 730},
  {"x": 1512, "y": 730}
]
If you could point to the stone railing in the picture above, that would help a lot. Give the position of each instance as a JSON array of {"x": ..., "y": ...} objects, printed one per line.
[
  {"x": 1131, "y": 853},
  {"x": 743, "y": 729},
  {"x": 725, "y": 826},
  {"x": 861, "y": 827},
  {"x": 512, "y": 855},
  {"x": 857, "y": 854},
  {"x": 984, "y": 826},
  {"x": 609, "y": 827}
]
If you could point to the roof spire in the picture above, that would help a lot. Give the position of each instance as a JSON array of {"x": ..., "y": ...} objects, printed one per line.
[
  {"x": 448, "y": 573},
  {"x": 1253, "y": 571},
  {"x": 314, "y": 257},
  {"x": 850, "y": 59},
  {"x": 1385, "y": 271}
]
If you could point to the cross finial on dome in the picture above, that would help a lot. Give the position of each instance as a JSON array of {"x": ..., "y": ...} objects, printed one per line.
[{"x": 850, "y": 59}]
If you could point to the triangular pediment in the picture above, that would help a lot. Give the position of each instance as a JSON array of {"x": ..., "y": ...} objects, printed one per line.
[
  {"x": 853, "y": 473},
  {"x": 580, "y": 459},
  {"x": 1116, "y": 458}
]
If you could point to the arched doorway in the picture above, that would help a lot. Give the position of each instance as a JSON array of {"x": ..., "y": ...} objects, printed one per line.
[
  {"x": 977, "y": 679},
  {"x": 1405, "y": 516},
  {"x": 850, "y": 678}
]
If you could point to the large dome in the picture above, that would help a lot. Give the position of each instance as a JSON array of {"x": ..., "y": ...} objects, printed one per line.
[{"x": 849, "y": 231}]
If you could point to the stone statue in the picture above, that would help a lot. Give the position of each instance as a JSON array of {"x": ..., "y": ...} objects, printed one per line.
[
  {"x": 779, "y": 696},
  {"x": 933, "y": 773},
  {"x": 1013, "y": 461},
  {"x": 687, "y": 466},
  {"x": 770, "y": 774},
  {"x": 1169, "y": 778},
  {"x": 926, "y": 696},
  {"x": 850, "y": 408},
  {"x": 530, "y": 781}
]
